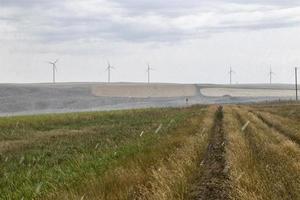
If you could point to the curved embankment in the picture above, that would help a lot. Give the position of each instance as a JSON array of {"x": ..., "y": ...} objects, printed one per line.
[
  {"x": 144, "y": 90},
  {"x": 23, "y": 99},
  {"x": 247, "y": 92}
]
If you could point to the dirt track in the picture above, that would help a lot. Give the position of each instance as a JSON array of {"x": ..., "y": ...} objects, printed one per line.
[{"x": 212, "y": 183}]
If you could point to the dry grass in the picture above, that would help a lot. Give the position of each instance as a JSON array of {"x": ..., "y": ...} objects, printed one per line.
[
  {"x": 172, "y": 179},
  {"x": 248, "y": 184},
  {"x": 264, "y": 163},
  {"x": 160, "y": 172},
  {"x": 151, "y": 154},
  {"x": 64, "y": 152},
  {"x": 288, "y": 127}
]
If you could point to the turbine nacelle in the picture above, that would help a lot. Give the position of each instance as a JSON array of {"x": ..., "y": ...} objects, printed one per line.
[{"x": 109, "y": 67}]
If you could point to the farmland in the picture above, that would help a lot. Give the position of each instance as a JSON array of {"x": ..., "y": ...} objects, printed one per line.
[{"x": 197, "y": 152}]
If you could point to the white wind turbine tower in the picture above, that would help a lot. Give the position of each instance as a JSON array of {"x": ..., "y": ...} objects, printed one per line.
[
  {"x": 108, "y": 69},
  {"x": 230, "y": 75},
  {"x": 54, "y": 68},
  {"x": 149, "y": 69},
  {"x": 271, "y": 73}
]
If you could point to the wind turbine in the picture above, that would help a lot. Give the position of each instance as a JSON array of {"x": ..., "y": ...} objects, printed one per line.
[
  {"x": 230, "y": 75},
  {"x": 54, "y": 68},
  {"x": 271, "y": 73},
  {"x": 108, "y": 69},
  {"x": 149, "y": 69}
]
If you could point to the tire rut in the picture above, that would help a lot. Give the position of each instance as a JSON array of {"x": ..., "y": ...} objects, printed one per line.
[{"x": 212, "y": 183}]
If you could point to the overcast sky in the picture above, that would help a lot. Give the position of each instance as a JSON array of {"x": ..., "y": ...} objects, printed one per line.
[{"x": 185, "y": 41}]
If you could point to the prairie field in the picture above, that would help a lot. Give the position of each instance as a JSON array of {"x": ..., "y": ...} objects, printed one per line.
[{"x": 242, "y": 152}]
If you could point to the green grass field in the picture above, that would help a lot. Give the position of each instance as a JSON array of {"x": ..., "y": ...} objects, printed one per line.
[{"x": 59, "y": 155}]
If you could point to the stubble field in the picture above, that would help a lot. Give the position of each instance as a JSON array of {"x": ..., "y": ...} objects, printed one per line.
[{"x": 198, "y": 152}]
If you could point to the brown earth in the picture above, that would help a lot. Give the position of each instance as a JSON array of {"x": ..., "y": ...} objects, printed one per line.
[{"x": 212, "y": 182}]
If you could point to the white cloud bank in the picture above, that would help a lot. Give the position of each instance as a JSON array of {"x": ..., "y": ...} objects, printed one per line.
[{"x": 187, "y": 41}]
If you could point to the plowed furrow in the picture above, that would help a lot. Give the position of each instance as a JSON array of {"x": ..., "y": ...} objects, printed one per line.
[{"x": 212, "y": 183}]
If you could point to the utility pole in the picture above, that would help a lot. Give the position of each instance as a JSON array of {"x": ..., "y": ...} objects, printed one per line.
[{"x": 296, "y": 82}]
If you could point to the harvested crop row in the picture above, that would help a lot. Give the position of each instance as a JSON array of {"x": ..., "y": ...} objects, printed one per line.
[
  {"x": 276, "y": 159},
  {"x": 282, "y": 125},
  {"x": 212, "y": 181},
  {"x": 289, "y": 110},
  {"x": 246, "y": 180},
  {"x": 286, "y": 126}
]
